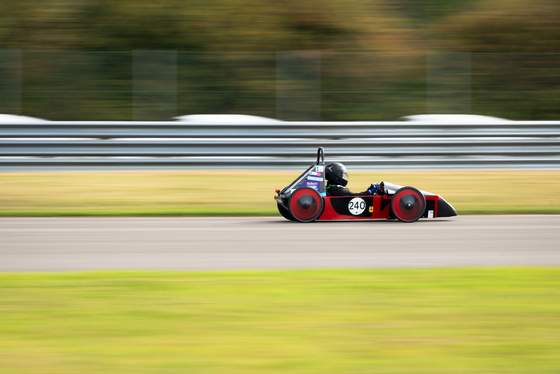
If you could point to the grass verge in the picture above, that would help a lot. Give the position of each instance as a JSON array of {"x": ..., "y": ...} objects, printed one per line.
[
  {"x": 322, "y": 321},
  {"x": 222, "y": 193}
]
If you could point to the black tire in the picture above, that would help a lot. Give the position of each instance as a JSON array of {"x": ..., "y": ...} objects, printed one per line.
[
  {"x": 285, "y": 213},
  {"x": 305, "y": 204},
  {"x": 408, "y": 204}
]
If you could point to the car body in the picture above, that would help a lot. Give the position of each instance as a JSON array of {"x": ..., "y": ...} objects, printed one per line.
[{"x": 306, "y": 200}]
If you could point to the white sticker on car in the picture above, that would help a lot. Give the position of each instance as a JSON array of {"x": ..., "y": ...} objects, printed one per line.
[
  {"x": 315, "y": 179},
  {"x": 356, "y": 206}
]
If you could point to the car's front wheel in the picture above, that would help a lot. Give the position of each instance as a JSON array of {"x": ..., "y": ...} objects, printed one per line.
[{"x": 408, "y": 204}]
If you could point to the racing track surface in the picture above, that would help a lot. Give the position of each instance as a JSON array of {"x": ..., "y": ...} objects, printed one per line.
[{"x": 69, "y": 244}]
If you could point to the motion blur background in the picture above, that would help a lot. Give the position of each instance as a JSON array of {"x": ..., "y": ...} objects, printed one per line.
[
  {"x": 332, "y": 60},
  {"x": 328, "y": 60}
]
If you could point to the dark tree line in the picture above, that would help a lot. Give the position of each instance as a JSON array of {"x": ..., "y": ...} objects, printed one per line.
[{"x": 313, "y": 59}]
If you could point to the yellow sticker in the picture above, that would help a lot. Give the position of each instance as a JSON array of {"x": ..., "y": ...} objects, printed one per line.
[{"x": 371, "y": 209}]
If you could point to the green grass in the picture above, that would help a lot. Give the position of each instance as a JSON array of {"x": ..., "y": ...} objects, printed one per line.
[
  {"x": 222, "y": 193},
  {"x": 504, "y": 320}
]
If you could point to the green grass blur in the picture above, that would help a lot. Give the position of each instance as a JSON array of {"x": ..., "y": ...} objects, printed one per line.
[
  {"x": 223, "y": 193},
  {"x": 504, "y": 320}
]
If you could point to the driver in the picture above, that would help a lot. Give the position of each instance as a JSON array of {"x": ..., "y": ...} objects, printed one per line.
[{"x": 337, "y": 179}]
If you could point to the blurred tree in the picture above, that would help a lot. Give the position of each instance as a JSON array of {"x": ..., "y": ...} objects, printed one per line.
[
  {"x": 516, "y": 26},
  {"x": 372, "y": 54},
  {"x": 515, "y": 56}
]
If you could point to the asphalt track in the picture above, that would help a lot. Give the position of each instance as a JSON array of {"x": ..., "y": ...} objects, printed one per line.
[{"x": 74, "y": 244}]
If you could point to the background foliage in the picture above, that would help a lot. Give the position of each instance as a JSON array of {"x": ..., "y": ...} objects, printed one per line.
[{"x": 349, "y": 59}]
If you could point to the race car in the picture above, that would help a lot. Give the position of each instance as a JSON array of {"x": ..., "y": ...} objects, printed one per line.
[{"x": 306, "y": 200}]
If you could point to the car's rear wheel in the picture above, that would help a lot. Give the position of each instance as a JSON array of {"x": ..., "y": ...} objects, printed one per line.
[
  {"x": 305, "y": 204},
  {"x": 285, "y": 212},
  {"x": 408, "y": 204}
]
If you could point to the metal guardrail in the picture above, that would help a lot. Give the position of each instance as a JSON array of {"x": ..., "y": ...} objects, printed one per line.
[
  {"x": 282, "y": 145},
  {"x": 317, "y": 130}
]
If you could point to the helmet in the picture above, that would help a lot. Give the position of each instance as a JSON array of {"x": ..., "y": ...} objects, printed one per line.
[{"x": 336, "y": 174}]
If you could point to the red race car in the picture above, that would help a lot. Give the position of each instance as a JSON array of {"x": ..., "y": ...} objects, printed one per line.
[{"x": 306, "y": 200}]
